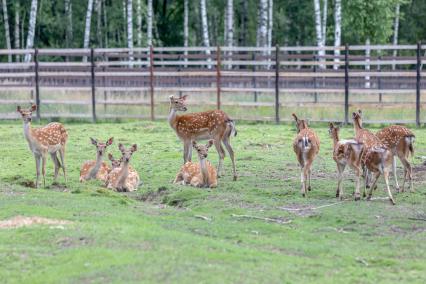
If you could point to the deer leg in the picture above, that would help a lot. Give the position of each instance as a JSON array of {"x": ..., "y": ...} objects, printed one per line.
[
  {"x": 221, "y": 153},
  {"x": 38, "y": 161},
  {"x": 395, "y": 175},
  {"x": 186, "y": 148},
  {"x": 43, "y": 169},
  {"x": 357, "y": 182},
  {"x": 339, "y": 192},
  {"x": 386, "y": 176},
  {"x": 231, "y": 154},
  {"x": 407, "y": 172},
  {"x": 56, "y": 163},
  {"x": 178, "y": 178},
  {"x": 370, "y": 191},
  {"x": 303, "y": 181},
  {"x": 62, "y": 156}
]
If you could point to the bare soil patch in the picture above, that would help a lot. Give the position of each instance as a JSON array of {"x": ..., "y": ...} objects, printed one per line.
[{"x": 24, "y": 221}]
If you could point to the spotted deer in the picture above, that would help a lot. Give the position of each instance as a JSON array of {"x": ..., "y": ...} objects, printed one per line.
[
  {"x": 201, "y": 174},
  {"x": 133, "y": 176},
  {"x": 47, "y": 139},
  {"x": 213, "y": 124},
  {"x": 115, "y": 163},
  {"x": 376, "y": 157},
  {"x": 306, "y": 145},
  {"x": 120, "y": 178},
  {"x": 96, "y": 169},
  {"x": 345, "y": 153}
]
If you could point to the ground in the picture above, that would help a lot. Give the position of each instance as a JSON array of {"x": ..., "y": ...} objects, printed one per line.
[{"x": 255, "y": 230}]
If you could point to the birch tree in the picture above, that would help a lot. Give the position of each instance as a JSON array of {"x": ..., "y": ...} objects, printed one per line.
[
  {"x": 31, "y": 28},
  {"x": 130, "y": 28},
  {"x": 263, "y": 24},
  {"x": 324, "y": 23},
  {"x": 6, "y": 29},
  {"x": 138, "y": 23},
  {"x": 230, "y": 27},
  {"x": 16, "y": 32},
  {"x": 205, "y": 28},
  {"x": 319, "y": 30},
  {"x": 337, "y": 30},
  {"x": 185, "y": 28},
  {"x": 395, "y": 32},
  {"x": 149, "y": 23}
]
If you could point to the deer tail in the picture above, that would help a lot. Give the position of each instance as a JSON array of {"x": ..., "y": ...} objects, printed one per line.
[
  {"x": 409, "y": 139},
  {"x": 231, "y": 124}
]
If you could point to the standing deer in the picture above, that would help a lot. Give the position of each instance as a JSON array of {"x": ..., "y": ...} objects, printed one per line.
[
  {"x": 198, "y": 175},
  {"x": 376, "y": 157},
  {"x": 306, "y": 145},
  {"x": 96, "y": 169},
  {"x": 345, "y": 152},
  {"x": 213, "y": 124},
  {"x": 120, "y": 178},
  {"x": 48, "y": 139}
]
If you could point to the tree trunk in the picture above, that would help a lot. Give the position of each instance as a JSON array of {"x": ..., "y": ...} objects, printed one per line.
[
  {"x": 68, "y": 16},
  {"x": 205, "y": 28},
  {"x": 185, "y": 28},
  {"x": 17, "y": 23},
  {"x": 31, "y": 28},
  {"x": 243, "y": 29},
  {"x": 106, "y": 35},
  {"x": 263, "y": 25},
  {"x": 6, "y": 29},
  {"x": 324, "y": 23},
  {"x": 138, "y": 23},
  {"x": 149, "y": 31},
  {"x": 395, "y": 32},
  {"x": 130, "y": 29},
  {"x": 270, "y": 26},
  {"x": 87, "y": 27},
  {"x": 318, "y": 30},
  {"x": 124, "y": 20},
  {"x": 98, "y": 7},
  {"x": 230, "y": 27},
  {"x": 337, "y": 30},
  {"x": 367, "y": 65}
]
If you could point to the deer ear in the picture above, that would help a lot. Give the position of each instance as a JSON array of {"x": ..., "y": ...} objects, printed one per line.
[
  {"x": 209, "y": 143},
  {"x": 33, "y": 107},
  {"x": 18, "y": 108},
  {"x": 354, "y": 114},
  {"x": 110, "y": 157},
  {"x": 360, "y": 112},
  {"x": 94, "y": 142},
  {"x": 134, "y": 148},
  {"x": 331, "y": 125},
  {"x": 295, "y": 117},
  {"x": 184, "y": 97},
  {"x": 171, "y": 97},
  {"x": 110, "y": 140},
  {"x": 121, "y": 147},
  {"x": 194, "y": 144}
]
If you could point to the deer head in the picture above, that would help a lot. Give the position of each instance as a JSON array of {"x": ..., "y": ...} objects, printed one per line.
[
  {"x": 300, "y": 123},
  {"x": 26, "y": 113},
  {"x": 333, "y": 130},
  {"x": 101, "y": 147},
  {"x": 178, "y": 104},
  {"x": 115, "y": 163},
  {"x": 304, "y": 143},
  {"x": 202, "y": 150},
  {"x": 126, "y": 154},
  {"x": 356, "y": 116}
]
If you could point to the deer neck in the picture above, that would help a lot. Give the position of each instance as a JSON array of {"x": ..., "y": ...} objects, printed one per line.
[
  {"x": 335, "y": 138},
  {"x": 124, "y": 172},
  {"x": 204, "y": 171},
  {"x": 172, "y": 117},
  {"x": 94, "y": 171},
  {"x": 357, "y": 126},
  {"x": 28, "y": 133}
]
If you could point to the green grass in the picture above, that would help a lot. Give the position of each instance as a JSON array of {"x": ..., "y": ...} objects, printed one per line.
[{"x": 154, "y": 235}]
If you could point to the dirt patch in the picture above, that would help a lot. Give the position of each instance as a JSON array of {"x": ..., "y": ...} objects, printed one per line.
[
  {"x": 152, "y": 196},
  {"x": 419, "y": 173},
  {"x": 23, "y": 221}
]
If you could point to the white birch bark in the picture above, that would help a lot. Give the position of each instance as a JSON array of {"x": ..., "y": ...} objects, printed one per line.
[
  {"x": 367, "y": 65},
  {"x": 205, "y": 28},
  {"x": 263, "y": 30},
  {"x": 124, "y": 19},
  {"x": 149, "y": 24},
  {"x": 31, "y": 28},
  {"x": 318, "y": 29},
  {"x": 185, "y": 28},
  {"x": 395, "y": 32},
  {"x": 87, "y": 26},
  {"x": 230, "y": 27},
  {"x": 130, "y": 29},
  {"x": 138, "y": 23},
  {"x": 337, "y": 30},
  {"x": 324, "y": 23},
  {"x": 6, "y": 29},
  {"x": 16, "y": 32}
]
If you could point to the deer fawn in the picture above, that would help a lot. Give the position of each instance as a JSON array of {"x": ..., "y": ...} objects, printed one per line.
[
  {"x": 96, "y": 169},
  {"x": 306, "y": 145},
  {"x": 214, "y": 124},
  {"x": 133, "y": 176},
  {"x": 345, "y": 152},
  {"x": 198, "y": 175},
  {"x": 376, "y": 157},
  {"x": 115, "y": 163},
  {"x": 48, "y": 139},
  {"x": 120, "y": 178}
]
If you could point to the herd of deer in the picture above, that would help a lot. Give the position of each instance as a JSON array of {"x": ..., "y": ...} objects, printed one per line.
[{"x": 367, "y": 154}]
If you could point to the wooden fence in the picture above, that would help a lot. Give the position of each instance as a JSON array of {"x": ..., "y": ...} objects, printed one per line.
[{"x": 344, "y": 70}]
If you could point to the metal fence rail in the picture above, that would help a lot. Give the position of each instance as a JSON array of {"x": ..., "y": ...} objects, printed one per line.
[{"x": 276, "y": 71}]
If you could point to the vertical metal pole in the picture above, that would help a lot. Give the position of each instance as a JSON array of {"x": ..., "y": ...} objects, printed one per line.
[
  {"x": 379, "y": 80},
  {"x": 37, "y": 100},
  {"x": 277, "y": 84},
  {"x": 92, "y": 69},
  {"x": 218, "y": 76},
  {"x": 151, "y": 79},
  {"x": 346, "y": 84},
  {"x": 419, "y": 63}
]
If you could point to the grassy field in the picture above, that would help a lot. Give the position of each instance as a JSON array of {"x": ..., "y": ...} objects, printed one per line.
[{"x": 178, "y": 234}]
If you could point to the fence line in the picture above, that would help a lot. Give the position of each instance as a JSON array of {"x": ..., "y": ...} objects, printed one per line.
[{"x": 238, "y": 69}]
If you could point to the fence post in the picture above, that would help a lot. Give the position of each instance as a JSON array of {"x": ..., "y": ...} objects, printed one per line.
[
  {"x": 218, "y": 76},
  {"x": 253, "y": 58},
  {"x": 315, "y": 79},
  {"x": 92, "y": 70},
  {"x": 379, "y": 80},
  {"x": 37, "y": 100},
  {"x": 419, "y": 64},
  {"x": 277, "y": 82},
  {"x": 346, "y": 84},
  {"x": 151, "y": 79}
]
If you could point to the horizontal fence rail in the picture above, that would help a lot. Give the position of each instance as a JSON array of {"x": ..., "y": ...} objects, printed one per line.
[{"x": 344, "y": 70}]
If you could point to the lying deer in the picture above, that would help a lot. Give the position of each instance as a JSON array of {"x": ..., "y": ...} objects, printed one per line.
[
  {"x": 202, "y": 174},
  {"x": 133, "y": 176},
  {"x": 96, "y": 169},
  {"x": 345, "y": 152},
  {"x": 306, "y": 145},
  {"x": 115, "y": 163},
  {"x": 48, "y": 139},
  {"x": 400, "y": 140},
  {"x": 120, "y": 178},
  {"x": 375, "y": 157},
  {"x": 214, "y": 124}
]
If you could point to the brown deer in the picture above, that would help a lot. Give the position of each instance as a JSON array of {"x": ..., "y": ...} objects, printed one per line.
[
  {"x": 376, "y": 157},
  {"x": 213, "y": 124},
  {"x": 119, "y": 178},
  {"x": 133, "y": 177},
  {"x": 201, "y": 174},
  {"x": 306, "y": 145},
  {"x": 345, "y": 152},
  {"x": 115, "y": 163},
  {"x": 47, "y": 139},
  {"x": 96, "y": 169}
]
